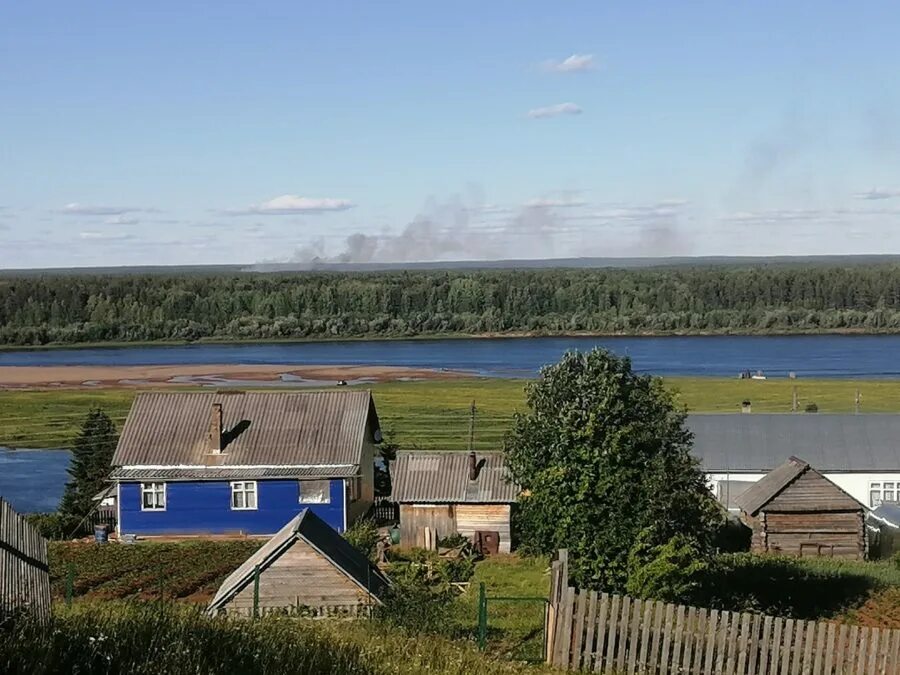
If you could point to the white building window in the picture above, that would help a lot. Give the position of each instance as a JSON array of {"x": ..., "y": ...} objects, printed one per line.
[
  {"x": 883, "y": 492},
  {"x": 243, "y": 495},
  {"x": 315, "y": 492},
  {"x": 153, "y": 496}
]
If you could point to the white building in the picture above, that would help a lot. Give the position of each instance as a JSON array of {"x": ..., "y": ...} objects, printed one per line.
[{"x": 859, "y": 453}]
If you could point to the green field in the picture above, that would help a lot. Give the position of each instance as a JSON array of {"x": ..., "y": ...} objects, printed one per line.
[{"x": 434, "y": 415}]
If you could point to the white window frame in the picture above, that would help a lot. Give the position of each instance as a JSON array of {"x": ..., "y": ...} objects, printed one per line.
[
  {"x": 153, "y": 487},
  {"x": 882, "y": 488},
  {"x": 245, "y": 488},
  {"x": 327, "y": 494}
]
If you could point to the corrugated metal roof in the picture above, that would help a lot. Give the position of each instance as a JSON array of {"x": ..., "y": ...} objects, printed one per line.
[
  {"x": 829, "y": 442},
  {"x": 233, "y": 473},
  {"x": 318, "y": 534},
  {"x": 765, "y": 489},
  {"x": 444, "y": 477},
  {"x": 261, "y": 428}
]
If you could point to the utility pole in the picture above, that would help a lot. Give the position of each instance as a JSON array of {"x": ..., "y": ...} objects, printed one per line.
[
  {"x": 472, "y": 428},
  {"x": 794, "y": 399},
  {"x": 858, "y": 398}
]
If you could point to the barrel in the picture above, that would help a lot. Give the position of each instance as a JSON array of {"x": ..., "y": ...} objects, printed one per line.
[{"x": 101, "y": 533}]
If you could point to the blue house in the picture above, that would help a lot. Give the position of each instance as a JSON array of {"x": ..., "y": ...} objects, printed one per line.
[{"x": 244, "y": 462}]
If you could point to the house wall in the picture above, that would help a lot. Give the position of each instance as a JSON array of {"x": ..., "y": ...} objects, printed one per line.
[
  {"x": 204, "y": 507},
  {"x": 447, "y": 519},
  {"x": 359, "y": 508},
  {"x": 486, "y": 517},
  {"x": 814, "y": 533},
  {"x": 300, "y": 576},
  {"x": 414, "y": 518},
  {"x": 855, "y": 484}
]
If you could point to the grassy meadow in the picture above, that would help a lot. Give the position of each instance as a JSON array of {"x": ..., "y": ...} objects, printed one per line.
[{"x": 434, "y": 415}]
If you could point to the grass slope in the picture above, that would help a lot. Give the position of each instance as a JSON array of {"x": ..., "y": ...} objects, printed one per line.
[{"x": 434, "y": 415}]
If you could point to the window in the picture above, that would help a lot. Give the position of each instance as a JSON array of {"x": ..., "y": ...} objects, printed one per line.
[
  {"x": 354, "y": 488},
  {"x": 243, "y": 495},
  {"x": 315, "y": 492},
  {"x": 153, "y": 496},
  {"x": 880, "y": 493}
]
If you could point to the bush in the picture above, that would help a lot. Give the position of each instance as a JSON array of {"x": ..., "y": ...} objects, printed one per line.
[
  {"x": 418, "y": 599},
  {"x": 363, "y": 536},
  {"x": 671, "y": 572},
  {"x": 53, "y": 525}
]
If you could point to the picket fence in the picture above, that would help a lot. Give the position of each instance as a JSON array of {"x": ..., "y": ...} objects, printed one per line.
[
  {"x": 24, "y": 572},
  {"x": 605, "y": 633}
]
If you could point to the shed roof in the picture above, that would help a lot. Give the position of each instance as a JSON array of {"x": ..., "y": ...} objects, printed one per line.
[
  {"x": 779, "y": 481},
  {"x": 308, "y": 527},
  {"x": 830, "y": 442},
  {"x": 260, "y": 429},
  {"x": 433, "y": 477}
]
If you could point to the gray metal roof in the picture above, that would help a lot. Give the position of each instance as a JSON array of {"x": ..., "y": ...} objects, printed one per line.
[
  {"x": 233, "y": 473},
  {"x": 432, "y": 477},
  {"x": 318, "y": 534},
  {"x": 830, "y": 442},
  {"x": 261, "y": 428},
  {"x": 760, "y": 493}
]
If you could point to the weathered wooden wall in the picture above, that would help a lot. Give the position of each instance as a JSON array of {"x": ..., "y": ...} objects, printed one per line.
[
  {"x": 24, "y": 573},
  {"x": 598, "y": 632},
  {"x": 488, "y": 517},
  {"x": 414, "y": 518},
  {"x": 811, "y": 517},
  {"x": 301, "y": 576}
]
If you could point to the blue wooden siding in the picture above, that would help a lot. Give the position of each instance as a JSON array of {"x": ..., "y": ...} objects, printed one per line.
[{"x": 204, "y": 507}]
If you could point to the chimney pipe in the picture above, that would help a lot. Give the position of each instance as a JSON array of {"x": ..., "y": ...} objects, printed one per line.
[
  {"x": 473, "y": 466},
  {"x": 215, "y": 429}
]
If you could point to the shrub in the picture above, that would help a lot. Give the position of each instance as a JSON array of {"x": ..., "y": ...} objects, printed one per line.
[
  {"x": 53, "y": 525},
  {"x": 671, "y": 572},
  {"x": 363, "y": 536}
]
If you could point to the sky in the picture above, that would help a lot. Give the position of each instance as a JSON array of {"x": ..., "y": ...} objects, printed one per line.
[{"x": 237, "y": 132}]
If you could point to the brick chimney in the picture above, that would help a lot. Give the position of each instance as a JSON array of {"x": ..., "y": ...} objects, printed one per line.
[
  {"x": 473, "y": 466},
  {"x": 215, "y": 429}
]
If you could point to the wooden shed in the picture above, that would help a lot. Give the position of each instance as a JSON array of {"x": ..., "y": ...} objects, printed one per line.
[
  {"x": 444, "y": 493},
  {"x": 795, "y": 510},
  {"x": 307, "y": 567}
]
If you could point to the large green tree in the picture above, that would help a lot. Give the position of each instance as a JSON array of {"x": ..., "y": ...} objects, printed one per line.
[
  {"x": 92, "y": 454},
  {"x": 603, "y": 456}
]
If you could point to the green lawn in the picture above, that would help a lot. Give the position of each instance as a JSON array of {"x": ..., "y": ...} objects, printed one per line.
[{"x": 434, "y": 415}]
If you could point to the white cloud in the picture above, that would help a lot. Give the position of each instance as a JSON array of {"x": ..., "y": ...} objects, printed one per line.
[
  {"x": 96, "y": 235},
  {"x": 287, "y": 205},
  {"x": 555, "y": 111},
  {"x": 77, "y": 209},
  {"x": 877, "y": 193},
  {"x": 122, "y": 220},
  {"x": 555, "y": 203},
  {"x": 576, "y": 63}
]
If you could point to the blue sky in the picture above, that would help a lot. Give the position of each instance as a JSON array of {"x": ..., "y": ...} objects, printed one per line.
[{"x": 231, "y": 132}]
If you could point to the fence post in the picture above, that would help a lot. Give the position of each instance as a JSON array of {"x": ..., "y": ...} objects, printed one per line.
[
  {"x": 256, "y": 592},
  {"x": 70, "y": 583},
  {"x": 559, "y": 579},
  {"x": 482, "y": 617}
]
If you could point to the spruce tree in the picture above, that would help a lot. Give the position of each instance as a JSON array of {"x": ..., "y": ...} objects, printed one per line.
[{"x": 92, "y": 454}]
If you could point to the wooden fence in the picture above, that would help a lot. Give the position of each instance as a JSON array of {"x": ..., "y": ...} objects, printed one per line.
[
  {"x": 606, "y": 633},
  {"x": 24, "y": 573}
]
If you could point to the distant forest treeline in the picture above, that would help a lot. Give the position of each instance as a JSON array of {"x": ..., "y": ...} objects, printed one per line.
[{"x": 73, "y": 309}]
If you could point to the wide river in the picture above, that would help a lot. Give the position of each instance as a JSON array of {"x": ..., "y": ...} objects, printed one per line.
[{"x": 865, "y": 356}]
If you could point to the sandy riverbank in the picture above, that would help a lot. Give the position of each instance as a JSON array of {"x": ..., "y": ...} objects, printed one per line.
[{"x": 68, "y": 377}]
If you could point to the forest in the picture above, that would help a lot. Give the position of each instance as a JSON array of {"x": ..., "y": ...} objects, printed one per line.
[{"x": 60, "y": 309}]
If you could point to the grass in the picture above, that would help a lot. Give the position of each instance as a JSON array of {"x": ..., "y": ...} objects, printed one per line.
[
  {"x": 155, "y": 638},
  {"x": 434, "y": 415}
]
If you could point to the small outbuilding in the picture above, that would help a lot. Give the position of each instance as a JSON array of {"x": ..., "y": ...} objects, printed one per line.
[
  {"x": 307, "y": 567},
  {"x": 795, "y": 510},
  {"x": 445, "y": 493}
]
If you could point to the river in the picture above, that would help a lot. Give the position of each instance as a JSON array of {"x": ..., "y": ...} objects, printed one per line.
[
  {"x": 32, "y": 481},
  {"x": 842, "y": 356}
]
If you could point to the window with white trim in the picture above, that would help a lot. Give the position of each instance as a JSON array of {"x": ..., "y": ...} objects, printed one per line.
[
  {"x": 243, "y": 495},
  {"x": 153, "y": 496},
  {"x": 881, "y": 492},
  {"x": 315, "y": 492}
]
